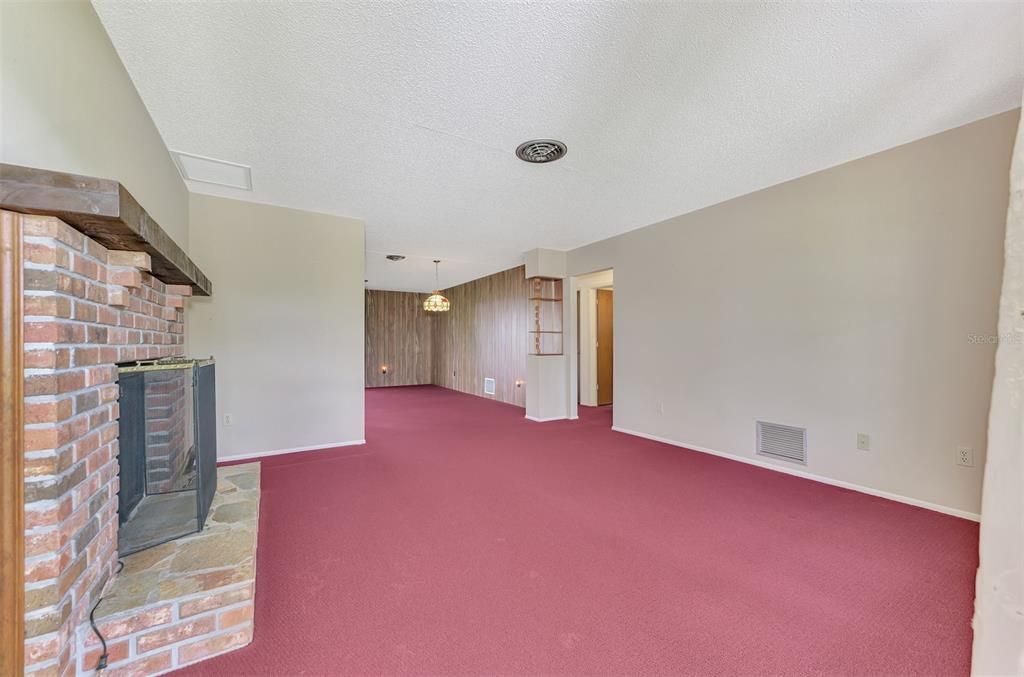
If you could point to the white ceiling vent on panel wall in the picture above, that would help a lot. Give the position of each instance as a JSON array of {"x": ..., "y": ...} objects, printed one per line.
[
  {"x": 488, "y": 386},
  {"x": 782, "y": 441},
  {"x": 209, "y": 170}
]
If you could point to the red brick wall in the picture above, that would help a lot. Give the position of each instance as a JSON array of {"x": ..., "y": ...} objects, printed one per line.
[
  {"x": 168, "y": 420},
  {"x": 81, "y": 317}
]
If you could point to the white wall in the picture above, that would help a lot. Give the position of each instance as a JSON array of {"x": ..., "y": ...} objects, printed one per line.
[
  {"x": 999, "y": 603},
  {"x": 285, "y": 323},
  {"x": 546, "y": 387},
  {"x": 843, "y": 302},
  {"x": 587, "y": 285},
  {"x": 67, "y": 104}
]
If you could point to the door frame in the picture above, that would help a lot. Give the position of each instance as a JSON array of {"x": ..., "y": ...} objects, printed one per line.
[
  {"x": 579, "y": 288},
  {"x": 12, "y": 448},
  {"x": 609, "y": 296}
]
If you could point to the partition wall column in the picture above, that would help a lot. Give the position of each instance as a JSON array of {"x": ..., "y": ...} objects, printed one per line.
[{"x": 999, "y": 602}]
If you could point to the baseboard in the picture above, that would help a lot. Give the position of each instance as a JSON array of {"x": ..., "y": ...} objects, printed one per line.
[
  {"x": 973, "y": 516},
  {"x": 545, "y": 420},
  {"x": 292, "y": 450}
]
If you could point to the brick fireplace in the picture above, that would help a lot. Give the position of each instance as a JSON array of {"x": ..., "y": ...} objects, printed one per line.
[
  {"x": 166, "y": 427},
  {"x": 86, "y": 309}
]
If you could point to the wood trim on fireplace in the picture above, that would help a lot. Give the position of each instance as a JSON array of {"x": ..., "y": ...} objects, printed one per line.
[
  {"x": 12, "y": 449},
  {"x": 103, "y": 210}
]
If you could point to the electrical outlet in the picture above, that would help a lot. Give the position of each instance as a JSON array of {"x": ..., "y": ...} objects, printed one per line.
[
  {"x": 660, "y": 406},
  {"x": 227, "y": 419},
  {"x": 965, "y": 456},
  {"x": 864, "y": 441}
]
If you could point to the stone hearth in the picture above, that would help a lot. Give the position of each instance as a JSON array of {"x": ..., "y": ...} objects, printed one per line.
[{"x": 188, "y": 599}]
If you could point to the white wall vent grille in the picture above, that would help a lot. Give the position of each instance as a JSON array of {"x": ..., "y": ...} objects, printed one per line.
[
  {"x": 488, "y": 386},
  {"x": 782, "y": 441}
]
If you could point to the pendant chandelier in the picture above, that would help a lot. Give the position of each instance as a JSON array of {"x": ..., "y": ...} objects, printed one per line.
[{"x": 436, "y": 303}]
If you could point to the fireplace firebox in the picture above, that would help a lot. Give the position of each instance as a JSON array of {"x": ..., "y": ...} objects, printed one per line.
[{"x": 167, "y": 450}]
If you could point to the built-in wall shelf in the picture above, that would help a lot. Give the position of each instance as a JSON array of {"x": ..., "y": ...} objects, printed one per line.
[{"x": 545, "y": 304}]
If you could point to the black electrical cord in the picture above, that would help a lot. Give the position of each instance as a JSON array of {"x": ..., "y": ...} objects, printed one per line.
[{"x": 105, "y": 656}]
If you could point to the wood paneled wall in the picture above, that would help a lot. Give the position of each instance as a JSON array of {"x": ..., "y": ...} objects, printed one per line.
[
  {"x": 399, "y": 335},
  {"x": 484, "y": 335}
]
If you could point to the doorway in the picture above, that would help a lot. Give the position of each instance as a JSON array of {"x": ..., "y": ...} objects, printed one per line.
[
  {"x": 595, "y": 342},
  {"x": 605, "y": 346}
]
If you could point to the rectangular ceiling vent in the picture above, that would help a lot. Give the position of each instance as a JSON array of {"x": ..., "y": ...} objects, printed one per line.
[
  {"x": 209, "y": 170},
  {"x": 488, "y": 386},
  {"x": 782, "y": 441}
]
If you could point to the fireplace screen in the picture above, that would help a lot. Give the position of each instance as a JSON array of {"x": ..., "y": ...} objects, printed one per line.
[{"x": 167, "y": 450}]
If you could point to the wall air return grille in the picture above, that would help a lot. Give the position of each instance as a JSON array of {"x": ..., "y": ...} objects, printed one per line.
[
  {"x": 782, "y": 441},
  {"x": 210, "y": 170},
  {"x": 488, "y": 386}
]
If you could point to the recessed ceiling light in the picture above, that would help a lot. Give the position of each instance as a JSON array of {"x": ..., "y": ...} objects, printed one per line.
[
  {"x": 394, "y": 257},
  {"x": 541, "y": 150},
  {"x": 209, "y": 170}
]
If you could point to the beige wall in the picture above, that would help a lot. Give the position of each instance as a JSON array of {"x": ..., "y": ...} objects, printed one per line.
[
  {"x": 67, "y": 104},
  {"x": 842, "y": 302},
  {"x": 285, "y": 324}
]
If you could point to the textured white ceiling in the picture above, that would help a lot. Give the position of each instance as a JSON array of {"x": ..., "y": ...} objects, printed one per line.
[{"x": 407, "y": 114}]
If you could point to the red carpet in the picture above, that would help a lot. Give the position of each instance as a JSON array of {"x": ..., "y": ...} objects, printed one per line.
[{"x": 463, "y": 539}]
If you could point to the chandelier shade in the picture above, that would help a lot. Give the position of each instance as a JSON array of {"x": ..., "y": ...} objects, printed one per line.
[{"x": 436, "y": 302}]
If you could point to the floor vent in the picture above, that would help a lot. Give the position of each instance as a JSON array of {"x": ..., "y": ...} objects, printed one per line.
[
  {"x": 488, "y": 386},
  {"x": 782, "y": 441}
]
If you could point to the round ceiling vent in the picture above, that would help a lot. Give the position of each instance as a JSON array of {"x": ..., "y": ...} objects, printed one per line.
[
  {"x": 394, "y": 257},
  {"x": 541, "y": 150}
]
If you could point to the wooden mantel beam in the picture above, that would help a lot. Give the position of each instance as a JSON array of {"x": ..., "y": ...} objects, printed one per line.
[{"x": 103, "y": 210}]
